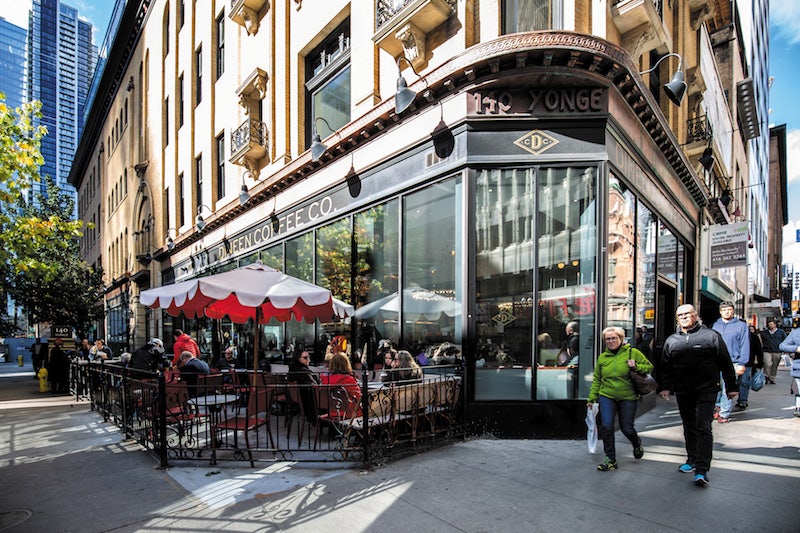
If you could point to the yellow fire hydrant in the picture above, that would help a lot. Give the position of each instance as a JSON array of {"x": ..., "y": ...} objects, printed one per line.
[
  {"x": 42, "y": 375},
  {"x": 20, "y": 361}
]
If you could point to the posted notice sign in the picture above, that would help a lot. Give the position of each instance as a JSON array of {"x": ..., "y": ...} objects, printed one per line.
[{"x": 728, "y": 245}]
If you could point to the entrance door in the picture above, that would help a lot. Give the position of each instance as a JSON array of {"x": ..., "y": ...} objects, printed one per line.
[{"x": 666, "y": 303}]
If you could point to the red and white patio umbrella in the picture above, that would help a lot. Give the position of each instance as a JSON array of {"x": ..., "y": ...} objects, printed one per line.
[{"x": 255, "y": 292}]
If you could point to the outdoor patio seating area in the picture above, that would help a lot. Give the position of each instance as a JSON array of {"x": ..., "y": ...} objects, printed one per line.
[{"x": 256, "y": 417}]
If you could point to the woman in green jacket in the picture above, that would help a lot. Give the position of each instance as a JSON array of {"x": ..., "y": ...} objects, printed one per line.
[{"x": 613, "y": 390}]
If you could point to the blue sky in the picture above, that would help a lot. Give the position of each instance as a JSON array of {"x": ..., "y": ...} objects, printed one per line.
[{"x": 784, "y": 48}]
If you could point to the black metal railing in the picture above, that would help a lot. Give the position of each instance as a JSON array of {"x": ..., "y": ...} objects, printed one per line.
[
  {"x": 265, "y": 417},
  {"x": 250, "y": 132},
  {"x": 698, "y": 129},
  {"x": 385, "y": 10}
]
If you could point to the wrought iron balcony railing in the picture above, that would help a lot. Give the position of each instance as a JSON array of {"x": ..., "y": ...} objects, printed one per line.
[
  {"x": 698, "y": 129},
  {"x": 250, "y": 139},
  {"x": 385, "y": 10}
]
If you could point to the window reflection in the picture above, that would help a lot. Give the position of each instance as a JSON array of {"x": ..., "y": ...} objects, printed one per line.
[
  {"x": 376, "y": 234},
  {"x": 432, "y": 292},
  {"x": 299, "y": 263},
  {"x": 557, "y": 206},
  {"x": 621, "y": 256},
  {"x": 646, "y": 270},
  {"x": 566, "y": 233}
]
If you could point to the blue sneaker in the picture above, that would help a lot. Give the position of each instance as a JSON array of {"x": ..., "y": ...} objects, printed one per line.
[
  {"x": 686, "y": 468},
  {"x": 701, "y": 480}
]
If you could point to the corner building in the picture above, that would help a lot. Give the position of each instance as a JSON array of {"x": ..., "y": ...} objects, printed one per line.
[{"x": 534, "y": 179}]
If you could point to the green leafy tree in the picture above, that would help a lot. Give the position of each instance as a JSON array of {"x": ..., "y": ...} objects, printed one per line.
[
  {"x": 74, "y": 294},
  {"x": 39, "y": 257}
]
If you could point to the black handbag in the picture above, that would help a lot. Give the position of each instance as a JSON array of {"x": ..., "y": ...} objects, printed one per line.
[{"x": 643, "y": 384}]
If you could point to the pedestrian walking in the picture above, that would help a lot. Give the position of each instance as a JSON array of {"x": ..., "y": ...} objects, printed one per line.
[
  {"x": 693, "y": 360},
  {"x": 613, "y": 390},
  {"x": 183, "y": 343},
  {"x": 792, "y": 345},
  {"x": 772, "y": 337},
  {"x": 737, "y": 339}
]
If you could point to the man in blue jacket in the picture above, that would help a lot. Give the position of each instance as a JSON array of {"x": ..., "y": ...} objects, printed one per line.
[
  {"x": 692, "y": 363},
  {"x": 737, "y": 339},
  {"x": 792, "y": 345}
]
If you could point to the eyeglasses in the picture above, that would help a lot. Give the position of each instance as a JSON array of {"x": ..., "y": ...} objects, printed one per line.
[
  {"x": 304, "y": 357},
  {"x": 613, "y": 339},
  {"x": 684, "y": 315}
]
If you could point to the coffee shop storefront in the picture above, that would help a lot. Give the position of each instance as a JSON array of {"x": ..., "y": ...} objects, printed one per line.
[{"x": 538, "y": 188}]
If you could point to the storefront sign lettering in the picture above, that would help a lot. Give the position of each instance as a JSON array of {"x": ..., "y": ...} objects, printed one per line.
[
  {"x": 538, "y": 102},
  {"x": 266, "y": 230}
]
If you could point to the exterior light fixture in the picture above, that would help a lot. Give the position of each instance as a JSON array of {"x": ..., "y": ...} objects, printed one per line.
[
  {"x": 317, "y": 148},
  {"x": 170, "y": 242},
  {"x": 675, "y": 89},
  {"x": 404, "y": 96},
  {"x": 199, "y": 221},
  {"x": 707, "y": 159},
  {"x": 244, "y": 195}
]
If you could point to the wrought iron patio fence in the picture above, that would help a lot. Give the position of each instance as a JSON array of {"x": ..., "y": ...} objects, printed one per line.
[{"x": 267, "y": 417}]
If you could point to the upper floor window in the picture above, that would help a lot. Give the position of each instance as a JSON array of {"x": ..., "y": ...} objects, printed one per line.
[
  {"x": 221, "y": 165},
  {"x": 532, "y": 15},
  {"x": 180, "y": 100},
  {"x": 220, "y": 45},
  {"x": 198, "y": 66},
  {"x": 328, "y": 83}
]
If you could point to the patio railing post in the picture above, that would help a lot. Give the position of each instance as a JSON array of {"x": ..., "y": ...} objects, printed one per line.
[
  {"x": 162, "y": 419},
  {"x": 365, "y": 416}
]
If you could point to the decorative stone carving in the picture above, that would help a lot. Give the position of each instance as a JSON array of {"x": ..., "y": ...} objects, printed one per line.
[
  {"x": 413, "y": 41},
  {"x": 250, "y": 18}
]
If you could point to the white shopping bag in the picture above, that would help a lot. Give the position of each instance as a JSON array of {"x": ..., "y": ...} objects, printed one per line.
[{"x": 591, "y": 425}]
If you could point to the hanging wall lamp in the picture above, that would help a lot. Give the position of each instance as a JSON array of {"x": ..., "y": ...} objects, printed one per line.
[
  {"x": 244, "y": 194},
  {"x": 199, "y": 221},
  {"x": 707, "y": 159},
  {"x": 404, "y": 96},
  {"x": 170, "y": 242},
  {"x": 317, "y": 148},
  {"x": 675, "y": 89}
]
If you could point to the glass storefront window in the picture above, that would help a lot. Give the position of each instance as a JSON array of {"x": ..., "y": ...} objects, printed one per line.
[
  {"x": 646, "y": 271},
  {"x": 667, "y": 253},
  {"x": 504, "y": 211},
  {"x": 567, "y": 250},
  {"x": 430, "y": 306},
  {"x": 377, "y": 236},
  {"x": 518, "y": 210},
  {"x": 273, "y": 257},
  {"x": 621, "y": 256},
  {"x": 299, "y": 255}
]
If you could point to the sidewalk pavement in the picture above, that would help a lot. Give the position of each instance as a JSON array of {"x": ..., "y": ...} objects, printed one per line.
[{"x": 64, "y": 470}]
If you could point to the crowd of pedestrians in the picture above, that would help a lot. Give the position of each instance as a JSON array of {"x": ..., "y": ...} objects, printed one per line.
[{"x": 706, "y": 369}]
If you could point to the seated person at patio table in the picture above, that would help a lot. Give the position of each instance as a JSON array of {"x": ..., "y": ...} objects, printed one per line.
[
  {"x": 404, "y": 368},
  {"x": 341, "y": 374},
  {"x": 190, "y": 367},
  {"x": 300, "y": 374}
]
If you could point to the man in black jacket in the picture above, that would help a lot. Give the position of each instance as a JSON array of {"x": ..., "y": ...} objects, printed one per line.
[{"x": 693, "y": 359}]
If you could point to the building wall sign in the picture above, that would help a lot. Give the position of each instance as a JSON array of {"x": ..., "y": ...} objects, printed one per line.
[
  {"x": 269, "y": 228},
  {"x": 728, "y": 245},
  {"x": 539, "y": 102}
]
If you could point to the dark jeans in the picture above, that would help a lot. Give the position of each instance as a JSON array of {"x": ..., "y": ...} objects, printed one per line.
[
  {"x": 697, "y": 414},
  {"x": 608, "y": 413}
]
